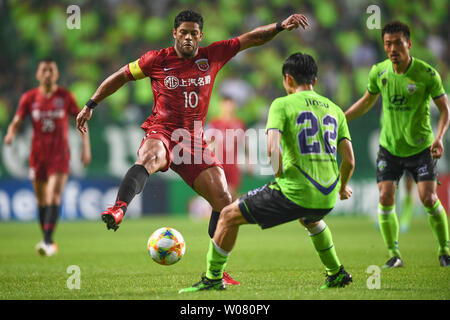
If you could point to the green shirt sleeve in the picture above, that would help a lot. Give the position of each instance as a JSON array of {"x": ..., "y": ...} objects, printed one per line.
[
  {"x": 277, "y": 115},
  {"x": 372, "y": 87},
  {"x": 435, "y": 86},
  {"x": 343, "y": 132}
]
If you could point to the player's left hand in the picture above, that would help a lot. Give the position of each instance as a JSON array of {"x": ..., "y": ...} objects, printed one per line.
[
  {"x": 345, "y": 193},
  {"x": 83, "y": 116},
  {"x": 437, "y": 149},
  {"x": 294, "y": 21}
]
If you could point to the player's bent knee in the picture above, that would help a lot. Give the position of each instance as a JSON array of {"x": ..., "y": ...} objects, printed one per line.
[{"x": 231, "y": 215}]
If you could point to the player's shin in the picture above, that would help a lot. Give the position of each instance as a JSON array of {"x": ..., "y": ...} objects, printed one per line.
[
  {"x": 389, "y": 228},
  {"x": 213, "y": 223},
  {"x": 216, "y": 260},
  {"x": 132, "y": 184},
  {"x": 51, "y": 217},
  {"x": 322, "y": 241},
  {"x": 437, "y": 218}
]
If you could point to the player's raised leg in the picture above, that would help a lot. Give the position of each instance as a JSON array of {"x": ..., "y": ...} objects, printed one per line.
[
  {"x": 211, "y": 184},
  {"x": 437, "y": 219},
  {"x": 152, "y": 157},
  {"x": 388, "y": 222}
]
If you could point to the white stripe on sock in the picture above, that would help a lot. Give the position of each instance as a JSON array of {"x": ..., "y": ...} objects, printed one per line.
[
  {"x": 221, "y": 251},
  {"x": 318, "y": 228}
]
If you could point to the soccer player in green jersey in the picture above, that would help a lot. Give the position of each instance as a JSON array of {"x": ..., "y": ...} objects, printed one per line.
[
  {"x": 406, "y": 85},
  {"x": 305, "y": 132}
]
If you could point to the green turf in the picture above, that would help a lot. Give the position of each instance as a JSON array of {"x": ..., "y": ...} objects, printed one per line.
[{"x": 278, "y": 263}]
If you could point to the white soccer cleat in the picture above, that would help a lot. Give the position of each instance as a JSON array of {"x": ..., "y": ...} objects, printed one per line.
[{"x": 47, "y": 250}]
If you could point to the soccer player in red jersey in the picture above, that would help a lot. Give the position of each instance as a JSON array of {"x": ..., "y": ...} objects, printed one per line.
[
  {"x": 227, "y": 132},
  {"x": 49, "y": 106},
  {"x": 182, "y": 78}
]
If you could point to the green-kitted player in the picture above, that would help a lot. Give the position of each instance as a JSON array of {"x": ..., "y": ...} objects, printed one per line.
[
  {"x": 305, "y": 131},
  {"x": 406, "y": 85}
]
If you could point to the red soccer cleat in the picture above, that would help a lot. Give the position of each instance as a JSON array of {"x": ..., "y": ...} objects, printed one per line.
[
  {"x": 228, "y": 280},
  {"x": 114, "y": 215}
]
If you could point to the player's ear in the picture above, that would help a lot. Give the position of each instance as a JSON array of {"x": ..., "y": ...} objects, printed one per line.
[
  {"x": 409, "y": 43},
  {"x": 315, "y": 81},
  {"x": 174, "y": 33}
]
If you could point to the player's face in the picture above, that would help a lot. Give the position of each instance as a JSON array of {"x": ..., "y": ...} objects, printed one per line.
[
  {"x": 187, "y": 37},
  {"x": 397, "y": 47},
  {"x": 47, "y": 73}
]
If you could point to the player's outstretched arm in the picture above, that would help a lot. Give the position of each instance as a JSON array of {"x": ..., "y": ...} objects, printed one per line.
[
  {"x": 261, "y": 35},
  {"x": 361, "y": 106},
  {"x": 274, "y": 151},
  {"x": 107, "y": 88},
  {"x": 13, "y": 128},
  {"x": 437, "y": 147},
  {"x": 347, "y": 167}
]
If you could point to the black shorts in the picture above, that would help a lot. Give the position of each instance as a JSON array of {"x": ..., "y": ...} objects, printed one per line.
[
  {"x": 269, "y": 207},
  {"x": 421, "y": 166}
]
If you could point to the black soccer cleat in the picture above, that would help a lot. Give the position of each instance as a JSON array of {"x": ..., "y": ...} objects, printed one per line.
[
  {"x": 394, "y": 262},
  {"x": 338, "y": 280},
  {"x": 444, "y": 260}
]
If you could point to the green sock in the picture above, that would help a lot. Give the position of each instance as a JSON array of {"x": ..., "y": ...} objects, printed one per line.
[
  {"x": 407, "y": 210},
  {"x": 216, "y": 260},
  {"x": 323, "y": 243},
  {"x": 437, "y": 218},
  {"x": 389, "y": 228}
]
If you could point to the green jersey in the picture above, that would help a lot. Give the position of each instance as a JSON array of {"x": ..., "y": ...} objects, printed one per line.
[
  {"x": 405, "y": 123},
  {"x": 311, "y": 127}
]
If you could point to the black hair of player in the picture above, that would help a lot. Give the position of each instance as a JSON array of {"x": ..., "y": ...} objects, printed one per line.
[
  {"x": 301, "y": 67},
  {"x": 394, "y": 27},
  {"x": 188, "y": 16}
]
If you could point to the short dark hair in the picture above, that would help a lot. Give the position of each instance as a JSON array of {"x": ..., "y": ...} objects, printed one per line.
[
  {"x": 301, "y": 67},
  {"x": 394, "y": 27},
  {"x": 188, "y": 16}
]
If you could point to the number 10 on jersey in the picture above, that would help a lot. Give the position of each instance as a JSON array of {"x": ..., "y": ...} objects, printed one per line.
[{"x": 190, "y": 99}]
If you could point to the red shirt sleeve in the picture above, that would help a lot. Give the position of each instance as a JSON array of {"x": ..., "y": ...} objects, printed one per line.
[
  {"x": 142, "y": 67},
  {"x": 222, "y": 51},
  {"x": 24, "y": 106}
]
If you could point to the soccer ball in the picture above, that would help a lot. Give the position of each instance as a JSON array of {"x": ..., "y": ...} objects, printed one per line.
[{"x": 166, "y": 246}]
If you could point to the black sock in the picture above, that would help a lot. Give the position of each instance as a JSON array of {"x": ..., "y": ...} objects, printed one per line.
[
  {"x": 213, "y": 223},
  {"x": 41, "y": 211},
  {"x": 51, "y": 217},
  {"x": 132, "y": 184}
]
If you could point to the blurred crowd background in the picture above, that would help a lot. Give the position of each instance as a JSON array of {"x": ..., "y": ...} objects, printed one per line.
[{"x": 113, "y": 33}]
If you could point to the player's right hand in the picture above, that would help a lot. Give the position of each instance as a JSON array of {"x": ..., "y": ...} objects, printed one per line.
[
  {"x": 83, "y": 116},
  {"x": 294, "y": 21},
  {"x": 8, "y": 139},
  {"x": 345, "y": 193}
]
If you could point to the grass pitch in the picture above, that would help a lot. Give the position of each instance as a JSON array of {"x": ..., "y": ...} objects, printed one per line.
[{"x": 274, "y": 264}]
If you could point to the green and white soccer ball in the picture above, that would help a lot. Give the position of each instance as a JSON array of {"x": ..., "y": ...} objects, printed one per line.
[{"x": 166, "y": 246}]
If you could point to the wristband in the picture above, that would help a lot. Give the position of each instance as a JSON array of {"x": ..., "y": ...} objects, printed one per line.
[
  {"x": 91, "y": 104},
  {"x": 279, "y": 27}
]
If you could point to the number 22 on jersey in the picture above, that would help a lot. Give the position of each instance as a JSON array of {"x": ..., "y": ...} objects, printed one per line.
[{"x": 309, "y": 133}]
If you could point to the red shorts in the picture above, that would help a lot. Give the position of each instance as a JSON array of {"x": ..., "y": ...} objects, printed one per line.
[
  {"x": 186, "y": 155},
  {"x": 41, "y": 170}
]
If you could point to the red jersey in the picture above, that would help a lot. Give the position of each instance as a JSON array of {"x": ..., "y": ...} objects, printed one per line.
[
  {"x": 228, "y": 142},
  {"x": 182, "y": 87},
  {"x": 49, "y": 117}
]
